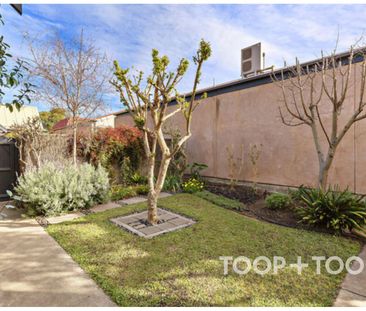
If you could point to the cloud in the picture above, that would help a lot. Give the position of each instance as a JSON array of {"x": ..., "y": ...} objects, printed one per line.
[{"x": 129, "y": 32}]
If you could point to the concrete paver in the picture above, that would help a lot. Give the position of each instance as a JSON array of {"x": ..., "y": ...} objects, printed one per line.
[
  {"x": 140, "y": 228},
  {"x": 140, "y": 199},
  {"x": 353, "y": 288},
  {"x": 105, "y": 207},
  {"x": 133, "y": 200},
  {"x": 62, "y": 218},
  {"x": 348, "y": 299}
]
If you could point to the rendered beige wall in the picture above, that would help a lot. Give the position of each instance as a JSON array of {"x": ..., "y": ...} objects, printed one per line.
[{"x": 288, "y": 156}]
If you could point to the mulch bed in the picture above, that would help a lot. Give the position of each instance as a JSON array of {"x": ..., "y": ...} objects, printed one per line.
[
  {"x": 254, "y": 200},
  {"x": 285, "y": 217},
  {"x": 243, "y": 194}
]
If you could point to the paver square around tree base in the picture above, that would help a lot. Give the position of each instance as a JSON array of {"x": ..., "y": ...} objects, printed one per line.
[{"x": 137, "y": 223}]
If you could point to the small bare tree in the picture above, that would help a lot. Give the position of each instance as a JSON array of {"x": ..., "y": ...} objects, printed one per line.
[
  {"x": 36, "y": 146},
  {"x": 310, "y": 92},
  {"x": 235, "y": 165},
  {"x": 254, "y": 154},
  {"x": 148, "y": 103},
  {"x": 73, "y": 76}
]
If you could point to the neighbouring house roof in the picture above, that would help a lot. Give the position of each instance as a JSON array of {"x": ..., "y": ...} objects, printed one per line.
[
  {"x": 60, "y": 124},
  {"x": 102, "y": 121},
  {"x": 68, "y": 122},
  {"x": 260, "y": 79},
  {"x": 16, "y": 117}
]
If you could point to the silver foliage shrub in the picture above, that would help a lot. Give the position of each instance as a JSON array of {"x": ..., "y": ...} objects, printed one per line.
[{"x": 52, "y": 190}]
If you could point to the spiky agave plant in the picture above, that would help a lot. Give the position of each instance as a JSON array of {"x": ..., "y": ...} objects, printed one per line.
[{"x": 334, "y": 209}]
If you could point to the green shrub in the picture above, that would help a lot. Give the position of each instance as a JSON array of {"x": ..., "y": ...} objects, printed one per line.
[
  {"x": 295, "y": 195},
  {"x": 192, "y": 185},
  {"x": 196, "y": 169},
  {"x": 220, "y": 200},
  {"x": 136, "y": 178},
  {"x": 119, "y": 192},
  {"x": 50, "y": 190},
  {"x": 126, "y": 171},
  {"x": 276, "y": 201},
  {"x": 335, "y": 210},
  {"x": 172, "y": 183},
  {"x": 142, "y": 189}
]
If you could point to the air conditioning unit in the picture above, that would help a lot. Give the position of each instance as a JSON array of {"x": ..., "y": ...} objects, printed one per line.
[{"x": 251, "y": 60}]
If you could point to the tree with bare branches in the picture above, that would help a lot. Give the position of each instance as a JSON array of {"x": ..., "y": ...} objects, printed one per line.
[
  {"x": 70, "y": 75},
  {"x": 148, "y": 102},
  {"x": 36, "y": 146},
  {"x": 312, "y": 93}
]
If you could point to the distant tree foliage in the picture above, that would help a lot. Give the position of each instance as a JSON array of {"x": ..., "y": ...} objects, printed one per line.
[{"x": 50, "y": 118}]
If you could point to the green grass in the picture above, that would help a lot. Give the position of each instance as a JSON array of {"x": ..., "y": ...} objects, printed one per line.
[
  {"x": 182, "y": 268},
  {"x": 220, "y": 200}
]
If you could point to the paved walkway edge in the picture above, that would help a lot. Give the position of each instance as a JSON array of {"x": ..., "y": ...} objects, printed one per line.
[
  {"x": 353, "y": 288},
  {"x": 37, "y": 272}
]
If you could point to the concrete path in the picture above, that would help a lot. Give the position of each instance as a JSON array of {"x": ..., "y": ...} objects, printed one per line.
[
  {"x": 36, "y": 271},
  {"x": 102, "y": 208},
  {"x": 353, "y": 288},
  {"x": 141, "y": 198}
]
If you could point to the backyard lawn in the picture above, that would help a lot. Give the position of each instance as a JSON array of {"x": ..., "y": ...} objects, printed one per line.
[{"x": 182, "y": 268}]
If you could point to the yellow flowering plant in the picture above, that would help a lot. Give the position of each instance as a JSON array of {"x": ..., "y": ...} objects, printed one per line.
[{"x": 192, "y": 185}]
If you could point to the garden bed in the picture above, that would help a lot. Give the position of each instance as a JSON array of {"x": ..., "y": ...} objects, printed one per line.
[
  {"x": 253, "y": 205},
  {"x": 241, "y": 193},
  {"x": 284, "y": 217}
]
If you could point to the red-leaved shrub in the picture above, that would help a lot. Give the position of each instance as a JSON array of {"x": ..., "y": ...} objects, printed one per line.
[{"x": 118, "y": 149}]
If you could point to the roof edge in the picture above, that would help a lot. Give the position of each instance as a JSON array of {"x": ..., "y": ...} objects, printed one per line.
[{"x": 264, "y": 78}]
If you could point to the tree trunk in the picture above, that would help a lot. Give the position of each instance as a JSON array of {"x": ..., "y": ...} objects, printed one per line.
[
  {"x": 324, "y": 169},
  {"x": 323, "y": 178},
  {"x": 154, "y": 191},
  {"x": 152, "y": 207},
  {"x": 74, "y": 156},
  {"x": 152, "y": 198}
]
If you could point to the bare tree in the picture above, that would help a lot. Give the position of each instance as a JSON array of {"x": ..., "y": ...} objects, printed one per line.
[
  {"x": 73, "y": 76},
  {"x": 36, "y": 146},
  {"x": 254, "y": 154},
  {"x": 148, "y": 103},
  {"x": 311, "y": 92},
  {"x": 235, "y": 164}
]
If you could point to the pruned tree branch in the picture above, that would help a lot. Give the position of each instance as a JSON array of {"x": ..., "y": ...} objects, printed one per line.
[
  {"x": 148, "y": 101},
  {"x": 302, "y": 89}
]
